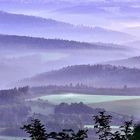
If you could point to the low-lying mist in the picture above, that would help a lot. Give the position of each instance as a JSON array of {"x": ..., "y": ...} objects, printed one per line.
[{"x": 16, "y": 65}]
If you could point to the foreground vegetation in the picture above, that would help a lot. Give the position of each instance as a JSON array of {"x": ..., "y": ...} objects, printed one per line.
[
  {"x": 58, "y": 117},
  {"x": 128, "y": 131}
]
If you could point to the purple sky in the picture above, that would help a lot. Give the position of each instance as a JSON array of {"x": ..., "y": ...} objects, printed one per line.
[{"x": 114, "y": 14}]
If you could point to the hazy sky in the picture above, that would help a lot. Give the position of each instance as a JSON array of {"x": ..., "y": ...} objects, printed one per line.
[{"x": 114, "y": 14}]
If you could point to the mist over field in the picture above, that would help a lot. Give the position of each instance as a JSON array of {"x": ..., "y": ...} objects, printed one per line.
[{"x": 63, "y": 61}]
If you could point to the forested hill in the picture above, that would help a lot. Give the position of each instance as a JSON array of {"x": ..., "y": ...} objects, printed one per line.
[
  {"x": 128, "y": 62},
  {"x": 19, "y": 24},
  {"x": 91, "y": 75},
  {"x": 21, "y": 42}
]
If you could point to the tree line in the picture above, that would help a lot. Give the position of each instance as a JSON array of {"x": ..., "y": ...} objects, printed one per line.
[{"x": 102, "y": 126}]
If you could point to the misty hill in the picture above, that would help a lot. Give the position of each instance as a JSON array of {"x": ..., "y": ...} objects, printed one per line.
[
  {"x": 24, "y": 25},
  {"x": 91, "y": 75},
  {"x": 134, "y": 44},
  {"x": 133, "y": 30},
  {"x": 128, "y": 107},
  {"x": 22, "y": 56},
  {"x": 130, "y": 62},
  {"x": 85, "y": 112},
  {"x": 22, "y": 42}
]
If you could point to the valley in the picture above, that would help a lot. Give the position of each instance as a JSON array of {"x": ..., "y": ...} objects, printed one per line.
[{"x": 63, "y": 62}]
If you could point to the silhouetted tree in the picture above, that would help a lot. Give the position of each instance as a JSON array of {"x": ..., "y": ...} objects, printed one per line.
[
  {"x": 136, "y": 133},
  {"x": 103, "y": 128},
  {"x": 69, "y": 135},
  {"x": 116, "y": 136},
  {"x": 102, "y": 125},
  {"x": 127, "y": 130},
  {"x": 36, "y": 130}
]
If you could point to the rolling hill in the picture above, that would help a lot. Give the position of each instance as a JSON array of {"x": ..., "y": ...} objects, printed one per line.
[
  {"x": 133, "y": 30},
  {"x": 22, "y": 56},
  {"x": 133, "y": 62},
  {"x": 91, "y": 75},
  {"x": 26, "y": 42},
  {"x": 128, "y": 107},
  {"x": 134, "y": 44},
  {"x": 23, "y": 25}
]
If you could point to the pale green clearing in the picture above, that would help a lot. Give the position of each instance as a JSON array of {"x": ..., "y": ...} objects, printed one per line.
[{"x": 88, "y": 99}]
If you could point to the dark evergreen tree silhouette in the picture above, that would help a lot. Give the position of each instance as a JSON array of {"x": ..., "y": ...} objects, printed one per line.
[
  {"x": 68, "y": 134},
  {"x": 116, "y": 136},
  {"x": 136, "y": 133},
  {"x": 103, "y": 128},
  {"x": 36, "y": 130},
  {"x": 127, "y": 130},
  {"x": 102, "y": 125}
]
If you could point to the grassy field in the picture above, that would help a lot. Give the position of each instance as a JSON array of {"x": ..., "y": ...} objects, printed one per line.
[
  {"x": 129, "y": 107},
  {"x": 88, "y": 99}
]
